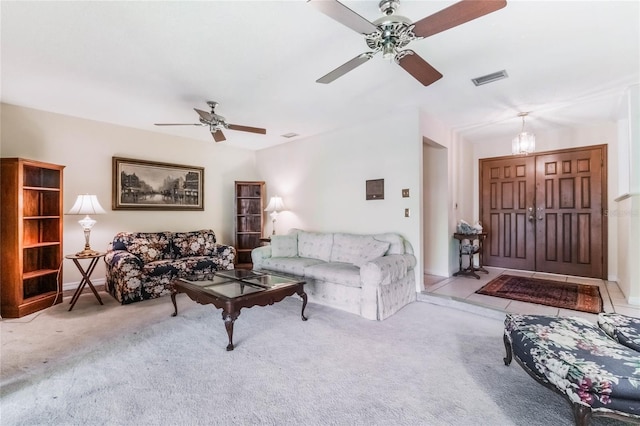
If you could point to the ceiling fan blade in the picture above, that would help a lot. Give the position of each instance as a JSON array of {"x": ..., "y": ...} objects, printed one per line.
[
  {"x": 341, "y": 13},
  {"x": 456, "y": 14},
  {"x": 178, "y": 124},
  {"x": 418, "y": 67},
  {"x": 204, "y": 115},
  {"x": 345, "y": 68},
  {"x": 218, "y": 136},
  {"x": 247, "y": 129}
]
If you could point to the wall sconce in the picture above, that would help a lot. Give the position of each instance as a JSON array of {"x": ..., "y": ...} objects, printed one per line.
[
  {"x": 86, "y": 205},
  {"x": 274, "y": 207}
]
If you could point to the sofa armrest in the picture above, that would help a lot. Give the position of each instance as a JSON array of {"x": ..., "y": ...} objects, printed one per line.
[
  {"x": 386, "y": 269},
  {"x": 117, "y": 258},
  {"x": 226, "y": 256},
  {"x": 258, "y": 255}
]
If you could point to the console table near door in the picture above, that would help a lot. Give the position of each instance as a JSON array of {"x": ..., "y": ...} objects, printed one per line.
[{"x": 470, "y": 249}]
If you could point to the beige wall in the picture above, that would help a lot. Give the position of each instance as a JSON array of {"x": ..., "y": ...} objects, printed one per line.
[{"x": 86, "y": 148}]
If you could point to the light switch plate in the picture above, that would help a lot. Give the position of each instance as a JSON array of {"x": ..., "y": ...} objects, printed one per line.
[
  {"x": 405, "y": 193},
  {"x": 407, "y": 212}
]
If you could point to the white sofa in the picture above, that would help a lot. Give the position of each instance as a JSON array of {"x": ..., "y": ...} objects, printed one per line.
[{"x": 368, "y": 275}]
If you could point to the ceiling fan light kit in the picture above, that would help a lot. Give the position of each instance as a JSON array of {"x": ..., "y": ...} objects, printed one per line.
[{"x": 391, "y": 33}]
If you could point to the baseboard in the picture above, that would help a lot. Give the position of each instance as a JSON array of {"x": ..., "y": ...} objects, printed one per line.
[{"x": 634, "y": 301}]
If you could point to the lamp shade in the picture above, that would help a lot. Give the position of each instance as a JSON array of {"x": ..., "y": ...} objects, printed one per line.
[
  {"x": 87, "y": 204},
  {"x": 275, "y": 205}
]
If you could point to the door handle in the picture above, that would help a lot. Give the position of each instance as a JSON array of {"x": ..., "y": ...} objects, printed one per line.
[
  {"x": 540, "y": 209},
  {"x": 531, "y": 216}
]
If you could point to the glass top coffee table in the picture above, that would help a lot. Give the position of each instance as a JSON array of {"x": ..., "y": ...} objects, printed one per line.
[{"x": 235, "y": 289}]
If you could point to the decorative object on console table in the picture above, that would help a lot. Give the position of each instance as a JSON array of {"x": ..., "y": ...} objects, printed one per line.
[
  {"x": 249, "y": 217},
  {"x": 31, "y": 233},
  {"x": 275, "y": 206},
  {"x": 86, "y": 205}
]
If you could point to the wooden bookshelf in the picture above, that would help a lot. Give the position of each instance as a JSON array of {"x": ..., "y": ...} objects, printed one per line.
[
  {"x": 249, "y": 218},
  {"x": 31, "y": 230}
]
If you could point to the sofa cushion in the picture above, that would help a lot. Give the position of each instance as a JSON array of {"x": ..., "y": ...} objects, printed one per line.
[
  {"x": 195, "y": 243},
  {"x": 622, "y": 328},
  {"x": 289, "y": 265},
  {"x": 148, "y": 246},
  {"x": 315, "y": 245},
  {"x": 356, "y": 249},
  {"x": 335, "y": 272},
  {"x": 284, "y": 245},
  {"x": 396, "y": 242},
  {"x": 158, "y": 268}
]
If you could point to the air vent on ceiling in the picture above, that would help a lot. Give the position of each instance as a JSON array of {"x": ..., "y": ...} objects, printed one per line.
[
  {"x": 490, "y": 78},
  {"x": 289, "y": 135}
]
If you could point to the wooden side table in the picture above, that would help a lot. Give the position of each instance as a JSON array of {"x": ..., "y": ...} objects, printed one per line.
[
  {"x": 86, "y": 275},
  {"x": 470, "y": 251}
]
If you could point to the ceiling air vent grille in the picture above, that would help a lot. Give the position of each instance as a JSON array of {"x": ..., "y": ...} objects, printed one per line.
[{"x": 490, "y": 78}]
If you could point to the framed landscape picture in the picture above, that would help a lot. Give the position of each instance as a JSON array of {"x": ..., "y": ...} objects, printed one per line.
[{"x": 149, "y": 185}]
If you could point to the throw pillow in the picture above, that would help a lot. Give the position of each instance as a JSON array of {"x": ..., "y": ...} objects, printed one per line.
[
  {"x": 396, "y": 243},
  {"x": 284, "y": 245},
  {"x": 372, "y": 250}
]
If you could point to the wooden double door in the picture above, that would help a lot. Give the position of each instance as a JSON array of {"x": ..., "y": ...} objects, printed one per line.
[{"x": 545, "y": 212}]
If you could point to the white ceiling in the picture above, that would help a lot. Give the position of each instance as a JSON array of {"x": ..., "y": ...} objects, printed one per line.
[{"x": 138, "y": 63}]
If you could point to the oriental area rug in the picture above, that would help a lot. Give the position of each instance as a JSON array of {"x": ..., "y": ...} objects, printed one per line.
[{"x": 578, "y": 297}]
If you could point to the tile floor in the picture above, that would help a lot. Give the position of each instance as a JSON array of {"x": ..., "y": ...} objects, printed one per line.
[{"x": 442, "y": 290}]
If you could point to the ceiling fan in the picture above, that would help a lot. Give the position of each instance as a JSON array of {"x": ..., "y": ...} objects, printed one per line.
[
  {"x": 391, "y": 33},
  {"x": 216, "y": 123}
]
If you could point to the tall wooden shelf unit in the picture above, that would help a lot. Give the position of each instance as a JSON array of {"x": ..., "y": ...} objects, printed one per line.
[
  {"x": 31, "y": 230},
  {"x": 250, "y": 199}
]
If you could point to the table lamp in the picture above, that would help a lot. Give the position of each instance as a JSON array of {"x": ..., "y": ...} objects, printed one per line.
[
  {"x": 274, "y": 207},
  {"x": 86, "y": 205}
]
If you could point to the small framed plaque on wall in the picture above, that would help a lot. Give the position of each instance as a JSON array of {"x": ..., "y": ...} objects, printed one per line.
[{"x": 375, "y": 189}]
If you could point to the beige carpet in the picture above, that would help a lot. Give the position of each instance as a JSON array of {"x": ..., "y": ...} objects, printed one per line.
[{"x": 137, "y": 365}]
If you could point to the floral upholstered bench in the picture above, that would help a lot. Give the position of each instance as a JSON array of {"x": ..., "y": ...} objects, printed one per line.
[
  {"x": 592, "y": 367},
  {"x": 622, "y": 328}
]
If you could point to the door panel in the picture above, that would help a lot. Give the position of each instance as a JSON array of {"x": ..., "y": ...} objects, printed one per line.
[
  {"x": 544, "y": 212},
  {"x": 508, "y": 194},
  {"x": 569, "y": 213}
]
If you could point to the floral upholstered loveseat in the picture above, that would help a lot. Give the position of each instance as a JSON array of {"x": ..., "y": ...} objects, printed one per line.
[
  {"x": 596, "y": 368},
  {"x": 141, "y": 265},
  {"x": 369, "y": 275}
]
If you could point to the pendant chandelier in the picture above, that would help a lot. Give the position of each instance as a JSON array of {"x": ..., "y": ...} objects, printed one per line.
[{"x": 524, "y": 143}]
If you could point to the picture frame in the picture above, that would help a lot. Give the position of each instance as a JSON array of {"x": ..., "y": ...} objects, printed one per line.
[
  {"x": 151, "y": 185},
  {"x": 375, "y": 189}
]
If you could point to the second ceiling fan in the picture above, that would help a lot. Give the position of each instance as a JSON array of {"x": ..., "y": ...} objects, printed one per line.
[
  {"x": 391, "y": 33},
  {"x": 216, "y": 123}
]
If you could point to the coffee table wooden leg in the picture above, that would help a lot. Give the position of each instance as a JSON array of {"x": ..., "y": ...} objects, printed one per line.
[
  {"x": 229, "y": 319},
  {"x": 303, "y": 295}
]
